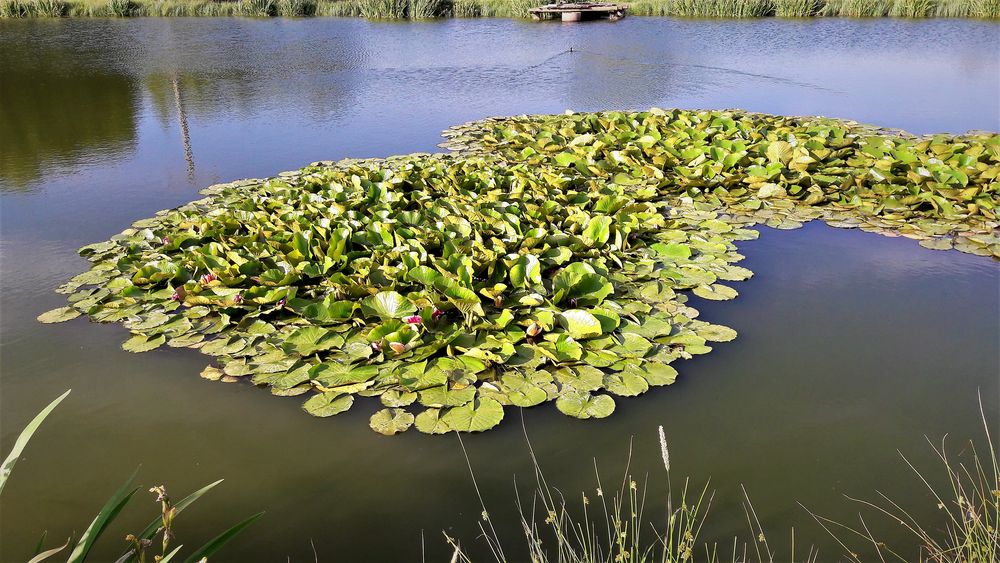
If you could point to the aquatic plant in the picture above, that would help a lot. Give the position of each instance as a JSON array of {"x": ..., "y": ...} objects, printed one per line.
[
  {"x": 780, "y": 171},
  {"x": 258, "y": 8},
  {"x": 797, "y": 8},
  {"x": 296, "y": 8},
  {"x": 547, "y": 259},
  {"x": 138, "y": 545},
  {"x": 611, "y": 524}
]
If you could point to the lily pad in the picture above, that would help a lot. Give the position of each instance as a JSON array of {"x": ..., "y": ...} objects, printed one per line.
[
  {"x": 547, "y": 258},
  {"x": 58, "y": 315},
  {"x": 389, "y": 422},
  {"x": 429, "y": 422},
  {"x": 328, "y": 404},
  {"x": 715, "y": 292},
  {"x": 475, "y": 416},
  {"x": 584, "y": 405}
]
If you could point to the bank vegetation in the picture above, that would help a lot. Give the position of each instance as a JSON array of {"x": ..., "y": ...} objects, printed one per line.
[{"x": 429, "y": 9}]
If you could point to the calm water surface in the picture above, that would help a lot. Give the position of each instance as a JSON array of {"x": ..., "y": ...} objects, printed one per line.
[{"x": 851, "y": 345}]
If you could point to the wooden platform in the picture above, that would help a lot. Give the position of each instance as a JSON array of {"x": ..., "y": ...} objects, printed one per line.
[{"x": 579, "y": 11}]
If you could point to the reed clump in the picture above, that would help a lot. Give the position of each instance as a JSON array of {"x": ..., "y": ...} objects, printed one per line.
[
  {"x": 985, "y": 9},
  {"x": 427, "y": 9},
  {"x": 966, "y": 492}
]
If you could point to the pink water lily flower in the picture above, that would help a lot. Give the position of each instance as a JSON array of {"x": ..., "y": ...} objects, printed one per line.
[
  {"x": 414, "y": 320},
  {"x": 238, "y": 298},
  {"x": 397, "y": 347},
  {"x": 176, "y": 296},
  {"x": 437, "y": 314},
  {"x": 208, "y": 278},
  {"x": 377, "y": 347},
  {"x": 281, "y": 303}
]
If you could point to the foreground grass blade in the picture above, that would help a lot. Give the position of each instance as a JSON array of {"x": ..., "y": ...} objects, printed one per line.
[
  {"x": 169, "y": 556},
  {"x": 103, "y": 519},
  {"x": 22, "y": 440},
  {"x": 150, "y": 530},
  {"x": 41, "y": 543},
  {"x": 49, "y": 553},
  {"x": 222, "y": 539}
]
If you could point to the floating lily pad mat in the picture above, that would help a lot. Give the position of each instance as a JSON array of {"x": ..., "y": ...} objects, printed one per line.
[{"x": 547, "y": 258}]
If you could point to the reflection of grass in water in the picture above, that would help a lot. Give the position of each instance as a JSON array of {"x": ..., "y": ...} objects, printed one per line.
[
  {"x": 422, "y": 9},
  {"x": 968, "y": 532}
]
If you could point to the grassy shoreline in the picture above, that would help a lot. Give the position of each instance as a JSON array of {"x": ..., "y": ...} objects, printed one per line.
[{"x": 426, "y": 9}]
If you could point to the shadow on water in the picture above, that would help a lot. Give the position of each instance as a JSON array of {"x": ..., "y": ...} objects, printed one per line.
[{"x": 851, "y": 345}]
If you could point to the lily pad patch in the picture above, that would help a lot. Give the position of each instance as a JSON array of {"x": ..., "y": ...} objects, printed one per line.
[{"x": 549, "y": 258}]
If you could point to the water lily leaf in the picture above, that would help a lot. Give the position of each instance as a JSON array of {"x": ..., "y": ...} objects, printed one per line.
[
  {"x": 390, "y": 422},
  {"x": 329, "y": 311},
  {"x": 598, "y": 230},
  {"x": 522, "y": 392},
  {"x": 58, "y": 315},
  {"x": 387, "y": 305},
  {"x": 526, "y": 271},
  {"x": 716, "y": 333},
  {"x": 565, "y": 159},
  {"x": 672, "y": 251},
  {"x": 423, "y": 274},
  {"x": 633, "y": 345},
  {"x": 657, "y": 374},
  {"x": 585, "y": 405},
  {"x": 429, "y": 422},
  {"x": 224, "y": 346},
  {"x": 397, "y": 398},
  {"x": 286, "y": 379},
  {"x": 768, "y": 190},
  {"x": 609, "y": 319},
  {"x": 189, "y": 340},
  {"x": 442, "y": 396},
  {"x": 211, "y": 373},
  {"x": 476, "y": 416},
  {"x": 715, "y": 292},
  {"x": 581, "y": 378},
  {"x": 565, "y": 348},
  {"x": 779, "y": 151},
  {"x": 625, "y": 384},
  {"x": 311, "y": 339},
  {"x": 143, "y": 343},
  {"x": 580, "y": 324},
  {"x": 936, "y": 244},
  {"x": 328, "y": 404},
  {"x": 151, "y": 320}
]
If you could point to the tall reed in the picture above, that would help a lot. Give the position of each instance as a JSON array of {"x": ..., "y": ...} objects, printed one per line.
[
  {"x": 296, "y": 8},
  {"x": 613, "y": 526},
  {"x": 617, "y": 530},
  {"x": 797, "y": 8},
  {"x": 969, "y": 504}
]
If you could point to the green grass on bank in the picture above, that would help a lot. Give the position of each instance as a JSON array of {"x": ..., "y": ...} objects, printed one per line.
[{"x": 423, "y": 9}]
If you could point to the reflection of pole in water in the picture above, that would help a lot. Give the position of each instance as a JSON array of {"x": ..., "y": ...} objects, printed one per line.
[{"x": 182, "y": 115}]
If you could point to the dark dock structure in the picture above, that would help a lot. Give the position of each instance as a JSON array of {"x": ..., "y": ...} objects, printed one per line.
[{"x": 579, "y": 11}]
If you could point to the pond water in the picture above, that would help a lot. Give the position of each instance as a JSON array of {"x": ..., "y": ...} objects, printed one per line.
[{"x": 851, "y": 346}]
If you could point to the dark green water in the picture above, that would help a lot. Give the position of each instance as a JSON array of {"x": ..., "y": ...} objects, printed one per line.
[{"x": 851, "y": 345}]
